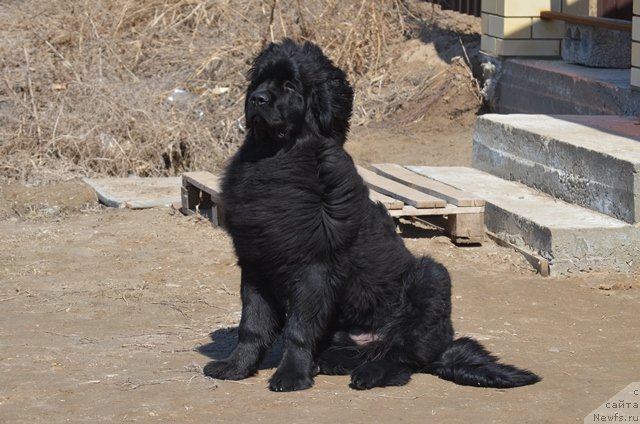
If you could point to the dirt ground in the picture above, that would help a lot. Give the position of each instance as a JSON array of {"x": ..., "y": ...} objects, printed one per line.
[{"x": 109, "y": 315}]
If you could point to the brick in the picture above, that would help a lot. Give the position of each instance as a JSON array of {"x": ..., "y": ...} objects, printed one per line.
[
  {"x": 490, "y": 6},
  {"x": 488, "y": 44},
  {"x": 635, "y": 78},
  {"x": 515, "y": 8},
  {"x": 528, "y": 47},
  {"x": 635, "y": 30},
  {"x": 547, "y": 28},
  {"x": 576, "y": 7},
  {"x": 635, "y": 54},
  {"x": 512, "y": 28},
  {"x": 484, "y": 23}
]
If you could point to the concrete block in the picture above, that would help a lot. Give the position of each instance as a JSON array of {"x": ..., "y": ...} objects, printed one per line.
[
  {"x": 635, "y": 28},
  {"x": 547, "y": 28},
  {"x": 596, "y": 47},
  {"x": 591, "y": 161},
  {"x": 557, "y": 87},
  {"x": 490, "y": 6},
  {"x": 137, "y": 193},
  {"x": 488, "y": 44},
  {"x": 572, "y": 238},
  {"x": 556, "y": 5},
  {"x": 484, "y": 23},
  {"x": 635, "y": 54},
  {"x": 530, "y": 8},
  {"x": 635, "y": 78},
  {"x": 576, "y": 7},
  {"x": 636, "y": 7},
  {"x": 512, "y": 28},
  {"x": 528, "y": 47}
]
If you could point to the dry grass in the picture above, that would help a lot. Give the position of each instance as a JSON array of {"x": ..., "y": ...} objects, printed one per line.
[{"x": 85, "y": 86}]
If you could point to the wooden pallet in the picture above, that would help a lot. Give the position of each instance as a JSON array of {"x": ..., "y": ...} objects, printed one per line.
[
  {"x": 461, "y": 214},
  {"x": 403, "y": 192},
  {"x": 201, "y": 195}
]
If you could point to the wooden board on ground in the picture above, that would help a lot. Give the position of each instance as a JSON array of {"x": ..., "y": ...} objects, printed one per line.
[
  {"x": 201, "y": 194},
  {"x": 400, "y": 191},
  {"x": 540, "y": 264},
  {"x": 427, "y": 185},
  {"x": 205, "y": 181},
  {"x": 463, "y": 214},
  {"x": 389, "y": 202}
]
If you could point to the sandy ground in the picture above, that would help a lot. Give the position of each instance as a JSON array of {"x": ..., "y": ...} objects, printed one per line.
[{"x": 109, "y": 315}]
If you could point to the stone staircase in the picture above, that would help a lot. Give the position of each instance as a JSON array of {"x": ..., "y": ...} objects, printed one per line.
[{"x": 566, "y": 187}]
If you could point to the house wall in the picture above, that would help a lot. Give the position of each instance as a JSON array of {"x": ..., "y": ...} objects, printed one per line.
[
  {"x": 635, "y": 46},
  {"x": 514, "y": 27}
]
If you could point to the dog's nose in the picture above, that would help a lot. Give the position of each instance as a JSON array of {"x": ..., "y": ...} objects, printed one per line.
[{"x": 259, "y": 98}]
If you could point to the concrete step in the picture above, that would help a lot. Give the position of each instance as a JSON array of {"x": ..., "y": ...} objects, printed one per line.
[
  {"x": 572, "y": 238},
  {"x": 557, "y": 87},
  {"x": 592, "y": 161}
]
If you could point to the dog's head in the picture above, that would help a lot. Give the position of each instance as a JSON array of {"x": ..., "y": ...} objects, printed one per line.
[{"x": 294, "y": 88}]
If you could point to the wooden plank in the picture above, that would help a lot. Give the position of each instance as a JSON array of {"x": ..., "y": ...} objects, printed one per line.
[
  {"x": 201, "y": 190},
  {"x": 190, "y": 197},
  {"x": 540, "y": 264},
  {"x": 588, "y": 20},
  {"x": 388, "y": 202},
  {"x": 399, "y": 191},
  {"x": 447, "y": 210},
  {"x": 427, "y": 185},
  {"x": 205, "y": 181},
  {"x": 217, "y": 216},
  {"x": 466, "y": 228}
]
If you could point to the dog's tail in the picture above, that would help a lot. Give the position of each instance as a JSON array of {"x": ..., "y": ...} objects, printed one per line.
[{"x": 468, "y": 363}]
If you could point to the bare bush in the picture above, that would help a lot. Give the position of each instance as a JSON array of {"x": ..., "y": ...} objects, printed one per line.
[{"x": 155, "y": 87}]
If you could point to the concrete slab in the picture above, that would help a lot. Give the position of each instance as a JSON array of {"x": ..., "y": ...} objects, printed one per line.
[
  {"x": 596, "y": 47},
  {"x": 592, "y": 161},
  {"x": 137, "y": 193},
  {"x": 557, "y": 87},
  {"x": 572, "y": 238}
]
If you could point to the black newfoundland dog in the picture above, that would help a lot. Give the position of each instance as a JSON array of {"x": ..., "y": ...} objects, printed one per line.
[{"x": 321, "y": 263}]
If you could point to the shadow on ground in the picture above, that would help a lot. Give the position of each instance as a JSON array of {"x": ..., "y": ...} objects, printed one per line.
[{"x": 225, "y": 339}]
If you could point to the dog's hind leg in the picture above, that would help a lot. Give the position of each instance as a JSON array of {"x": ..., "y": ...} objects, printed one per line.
[
  {"x": 380, "y": 373},
  {"x": 339, "y": 361},
  {"x": 259, "y": 326},
  {"x": 341, "y": 356},
  {"x": 417, "y": 329}
]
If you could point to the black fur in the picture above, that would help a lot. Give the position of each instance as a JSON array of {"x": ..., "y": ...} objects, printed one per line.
[{"x": 320, "y": 262}]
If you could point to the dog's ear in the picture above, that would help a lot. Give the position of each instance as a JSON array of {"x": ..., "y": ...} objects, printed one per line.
[
  {"x": 330, "y": 96},
  {"x": 331, "y": 105}
]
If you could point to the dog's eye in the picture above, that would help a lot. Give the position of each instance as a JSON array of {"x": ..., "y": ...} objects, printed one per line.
[{"x": 290, "y": 86}]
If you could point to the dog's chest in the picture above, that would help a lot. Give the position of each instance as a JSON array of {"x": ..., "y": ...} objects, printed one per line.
[
  {"x": 275, "y": 184},
  {"x": 273, "y": 207}
]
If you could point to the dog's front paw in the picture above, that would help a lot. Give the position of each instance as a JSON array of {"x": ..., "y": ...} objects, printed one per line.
[
  {"x": 224, "y": 370},
  {"x": 289, "y": 381}
]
